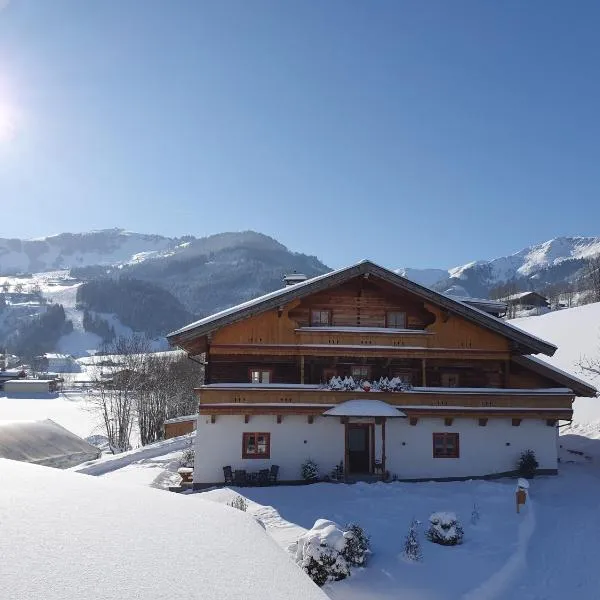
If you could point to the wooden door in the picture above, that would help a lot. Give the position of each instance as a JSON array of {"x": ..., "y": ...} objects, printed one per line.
[{"x": 358, "y": 445}]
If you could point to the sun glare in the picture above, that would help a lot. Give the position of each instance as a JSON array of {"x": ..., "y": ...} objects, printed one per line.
[{"x": 7, "y": 124}]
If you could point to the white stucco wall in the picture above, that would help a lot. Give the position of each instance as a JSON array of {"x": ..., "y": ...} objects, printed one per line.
[
  {"x": 483, "y": 450},
  {"x": 409, "y": 449},
  {"x": 292, "y": 442}
]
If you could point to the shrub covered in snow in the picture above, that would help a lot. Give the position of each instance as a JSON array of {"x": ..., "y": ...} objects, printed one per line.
[
  {"x": 187, "y": 458},
  {"x": 358, "y": 545},
  {"x": 240, "y": 503},
  {"x": 412, "y": 546},
  {"x": 310, "y": 470},
  {"x": 326, "y": 552},
  {"x": 445, "y": 529},
  {"x": 528, "y": 464}
]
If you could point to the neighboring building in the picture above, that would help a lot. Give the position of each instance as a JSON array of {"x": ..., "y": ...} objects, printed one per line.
[
  {"x": 24, "y": 387},
  {"x": 528, "y": 300},
  {"x": 365, "y": 367},
  {"x": 497, "y": 308},
  {"x": 44, "y": 443},
  {"x": 61, "y": 363},
  {"x": 180, "y": 426},
  {"x": 11, "y": 374}
]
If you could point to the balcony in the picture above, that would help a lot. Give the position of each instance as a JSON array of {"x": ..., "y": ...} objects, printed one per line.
[
  {"x": 314, "y": 399},
  {"x": 365, "y": 337}
]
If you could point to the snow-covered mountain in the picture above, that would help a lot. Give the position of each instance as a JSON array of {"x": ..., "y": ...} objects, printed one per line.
[
  {"x": 68, "y": 250},
  {"x": 554, "y": 261}
]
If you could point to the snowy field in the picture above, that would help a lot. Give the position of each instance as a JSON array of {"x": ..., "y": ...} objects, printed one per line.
[
  {"x": 66, "y": 537},
  {"x": 576, "y": 332},
  {"x": 69, "y": 409}
]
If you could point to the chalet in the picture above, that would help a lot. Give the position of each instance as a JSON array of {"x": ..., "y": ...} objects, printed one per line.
[
  {"x": 363, "y": 367},
  {"x": 528, "y": 300},
  {"x": 179, "y": 426}
]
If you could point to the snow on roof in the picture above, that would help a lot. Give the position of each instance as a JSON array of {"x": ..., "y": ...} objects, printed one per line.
[
  {"x": 206, "y": 550},
  {"x": 44, "y": 443},
  {"x": 364, "y": 408},
  {"x": 363, "y": 267},
  {"x": 181, "y": 419},
  {"x": 558, "y": 371},
  {"x": 519, "y": 295}
]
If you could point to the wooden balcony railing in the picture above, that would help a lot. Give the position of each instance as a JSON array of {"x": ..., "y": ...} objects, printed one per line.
[{"x": 314, "y": 395}]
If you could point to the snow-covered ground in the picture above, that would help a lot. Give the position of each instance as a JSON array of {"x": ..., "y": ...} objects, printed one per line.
[
  {"x": 576, "y": 332},
  {"x": 66, "y": 537},
  {"x": 385, "y": 511},
  {"x": 69, "y": 409}
]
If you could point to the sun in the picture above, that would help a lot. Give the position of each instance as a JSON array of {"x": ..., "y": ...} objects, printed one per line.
[{"x": 8, "y": 123}]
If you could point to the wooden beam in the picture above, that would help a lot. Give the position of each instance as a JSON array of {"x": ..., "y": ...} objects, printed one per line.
[
  {"x": 516, "y": 422},
  {"x": 213, "y": 419},
  {"x": 483, "y": 421},
  {"x": 551, "y": 422},
  {"x": 448, "y": 421},
  {"x": 302, "y": 369},
  {"x": 383, "y": 448},
  {"x": 246, "y": 418},
  {"x": 424, "y": 372},
  {"x": 279, "y": 419},
  {"x": 413, "y": 420},
  {"x": 311, "y": 419}
]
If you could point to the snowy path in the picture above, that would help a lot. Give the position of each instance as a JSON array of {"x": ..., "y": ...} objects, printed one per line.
[{"x": 562, "y": 561}]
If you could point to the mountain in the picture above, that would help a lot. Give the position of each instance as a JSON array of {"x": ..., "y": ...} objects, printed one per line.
[
  {"x": 555, "y": 261},
  {"x": 68, "y": 250},
  {"x": 114, "y": 282}
]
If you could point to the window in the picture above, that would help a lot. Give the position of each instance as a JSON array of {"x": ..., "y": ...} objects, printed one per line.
[
  {"x": 450, "y": 380},
  {"x": 320, "y": 318},
  {"x": 256, "y": 445},
  {"x": 261, "y": 375},
  {"x": 361, "y": 372},
  {"x": 395, "y": 319},
  {"x": 445, "y": 445}
]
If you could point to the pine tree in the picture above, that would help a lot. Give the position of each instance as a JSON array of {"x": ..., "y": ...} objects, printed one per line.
[{"x": 412, "y": 547}]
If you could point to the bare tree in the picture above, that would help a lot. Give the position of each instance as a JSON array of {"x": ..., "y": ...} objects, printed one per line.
[
  {"x": 117, "y": 386},
  {"x": 6, "y": 286},
  {"x": 167, "y": 392},
  {"x": 592, "y": 277}
]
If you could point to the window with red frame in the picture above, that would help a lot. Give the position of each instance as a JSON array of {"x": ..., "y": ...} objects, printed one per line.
[
  {"x": 256, "y": 445},
  {"x": 445, "y": 445}
]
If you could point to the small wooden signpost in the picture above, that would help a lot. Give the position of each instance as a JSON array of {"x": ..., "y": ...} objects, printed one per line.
[{"x": 521, "y": 493}]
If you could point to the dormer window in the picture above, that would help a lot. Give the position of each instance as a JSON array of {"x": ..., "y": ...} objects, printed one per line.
[
  {"x": 395, "y": 319},
  {"x": 320, "y": 318}
]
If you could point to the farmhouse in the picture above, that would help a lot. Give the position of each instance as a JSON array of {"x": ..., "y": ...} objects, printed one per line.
[
  {"x": 528, "y": 300},
  {"x": 363, "y": 367}
]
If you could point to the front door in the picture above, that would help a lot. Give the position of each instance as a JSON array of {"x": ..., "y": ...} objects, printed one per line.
[{"x": 358, "y": 443}]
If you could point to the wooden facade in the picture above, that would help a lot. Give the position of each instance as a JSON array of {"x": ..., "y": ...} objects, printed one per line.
[{"x": 277, "y": 356}]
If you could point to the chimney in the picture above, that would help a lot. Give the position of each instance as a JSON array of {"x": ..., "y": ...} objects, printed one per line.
[{"x": 294, "y": 278}]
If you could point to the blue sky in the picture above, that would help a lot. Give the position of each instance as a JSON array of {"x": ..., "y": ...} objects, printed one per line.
[{"x": 413, "y": 133}]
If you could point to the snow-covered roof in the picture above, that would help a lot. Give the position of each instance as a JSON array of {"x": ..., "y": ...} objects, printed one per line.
[
  {"x": 579, "y": 386},
  {"x": 364, "y": 408},
  {"x": 277, "y": 298},
  {"x": 44, "y": 443},
  {"x": 181, "y": 419},
  {"x": 520, "y": 295},
  {"x": 209, "y": 551}
]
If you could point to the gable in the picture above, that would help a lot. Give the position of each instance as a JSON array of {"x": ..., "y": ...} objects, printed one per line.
[{"x": 192, "y": 337}]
